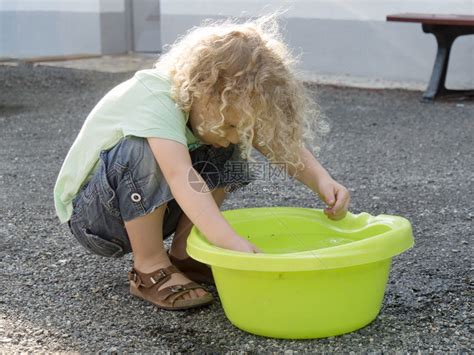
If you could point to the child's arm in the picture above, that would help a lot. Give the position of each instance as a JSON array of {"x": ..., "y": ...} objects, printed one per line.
[
  {"x": 318, "y": 179},
  {"x": 175, "y": 163}
]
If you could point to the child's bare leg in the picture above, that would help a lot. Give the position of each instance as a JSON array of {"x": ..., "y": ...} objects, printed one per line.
[
  {"x": 146, "y": 237},
  {"x": 184, "y": 226}
]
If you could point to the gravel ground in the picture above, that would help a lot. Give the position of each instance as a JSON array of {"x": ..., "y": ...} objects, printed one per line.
[{"x": 396, "y": 154}]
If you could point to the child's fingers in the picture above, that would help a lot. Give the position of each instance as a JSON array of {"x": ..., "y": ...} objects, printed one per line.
[
  {"x": 336, "y": 216},
  {"x": 344, "y": 196},
  {"x": 339, "y": 209},
  {"x": 338, "y": 206},
  {"x": 340, "y": 202},
  {"x": 328, "y": 212},
  {"x": 328, "y": 197},
  {"x": 256, "y": 250}
]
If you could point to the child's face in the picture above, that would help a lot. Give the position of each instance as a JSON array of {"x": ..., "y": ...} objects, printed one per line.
[{"x": 211, "y": 112}]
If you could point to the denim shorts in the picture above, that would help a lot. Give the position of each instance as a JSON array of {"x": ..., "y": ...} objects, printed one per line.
[{"x": 128, "y": 183}]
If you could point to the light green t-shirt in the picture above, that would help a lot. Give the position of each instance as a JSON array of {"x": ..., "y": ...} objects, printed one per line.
[{"x": 142, "y": 107}]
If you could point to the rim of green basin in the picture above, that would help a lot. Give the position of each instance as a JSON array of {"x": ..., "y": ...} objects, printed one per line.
[{"x": 394, "y": 241}]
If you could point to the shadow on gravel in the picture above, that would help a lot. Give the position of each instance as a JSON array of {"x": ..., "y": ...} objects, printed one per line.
[{"x": 9, "y": 110}]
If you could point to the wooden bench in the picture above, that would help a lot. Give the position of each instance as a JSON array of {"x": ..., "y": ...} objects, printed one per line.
[{"x": 446, "y": 28}]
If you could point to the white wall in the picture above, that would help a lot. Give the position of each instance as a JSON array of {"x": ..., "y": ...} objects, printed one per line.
[
  {"x": 345, "y": 37},
  {"x": 87, "y": 6},
  {"x": 36, "y": 28},
  {"x": 361, "y": 10}
]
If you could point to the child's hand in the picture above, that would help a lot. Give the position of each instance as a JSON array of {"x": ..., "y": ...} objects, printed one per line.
[
  {"x": 238, "y": 243},
  {"x": 335, "y": 196}
]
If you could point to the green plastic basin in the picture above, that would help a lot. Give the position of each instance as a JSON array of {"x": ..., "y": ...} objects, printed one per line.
[{"x": 315, "y": 278}]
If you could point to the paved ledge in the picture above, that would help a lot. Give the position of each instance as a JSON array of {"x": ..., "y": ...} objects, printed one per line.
[
  {"x": 105, "y": 64},
  {"x": 108, "y": 63},
  {"x": 361, "y": 82},
  {"x": 136, "y": 61}
]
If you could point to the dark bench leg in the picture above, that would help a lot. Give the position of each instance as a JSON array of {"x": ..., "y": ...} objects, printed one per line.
[{"x": 445, "y": 36}]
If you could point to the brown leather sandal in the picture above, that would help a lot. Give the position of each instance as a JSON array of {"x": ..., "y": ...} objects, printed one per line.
[
  {"x": 193, "y": 269},
  {"x": 146, "y": 286}
]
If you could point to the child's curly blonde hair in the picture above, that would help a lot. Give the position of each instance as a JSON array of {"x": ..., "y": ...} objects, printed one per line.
[{"x": 247, "y": 67}]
